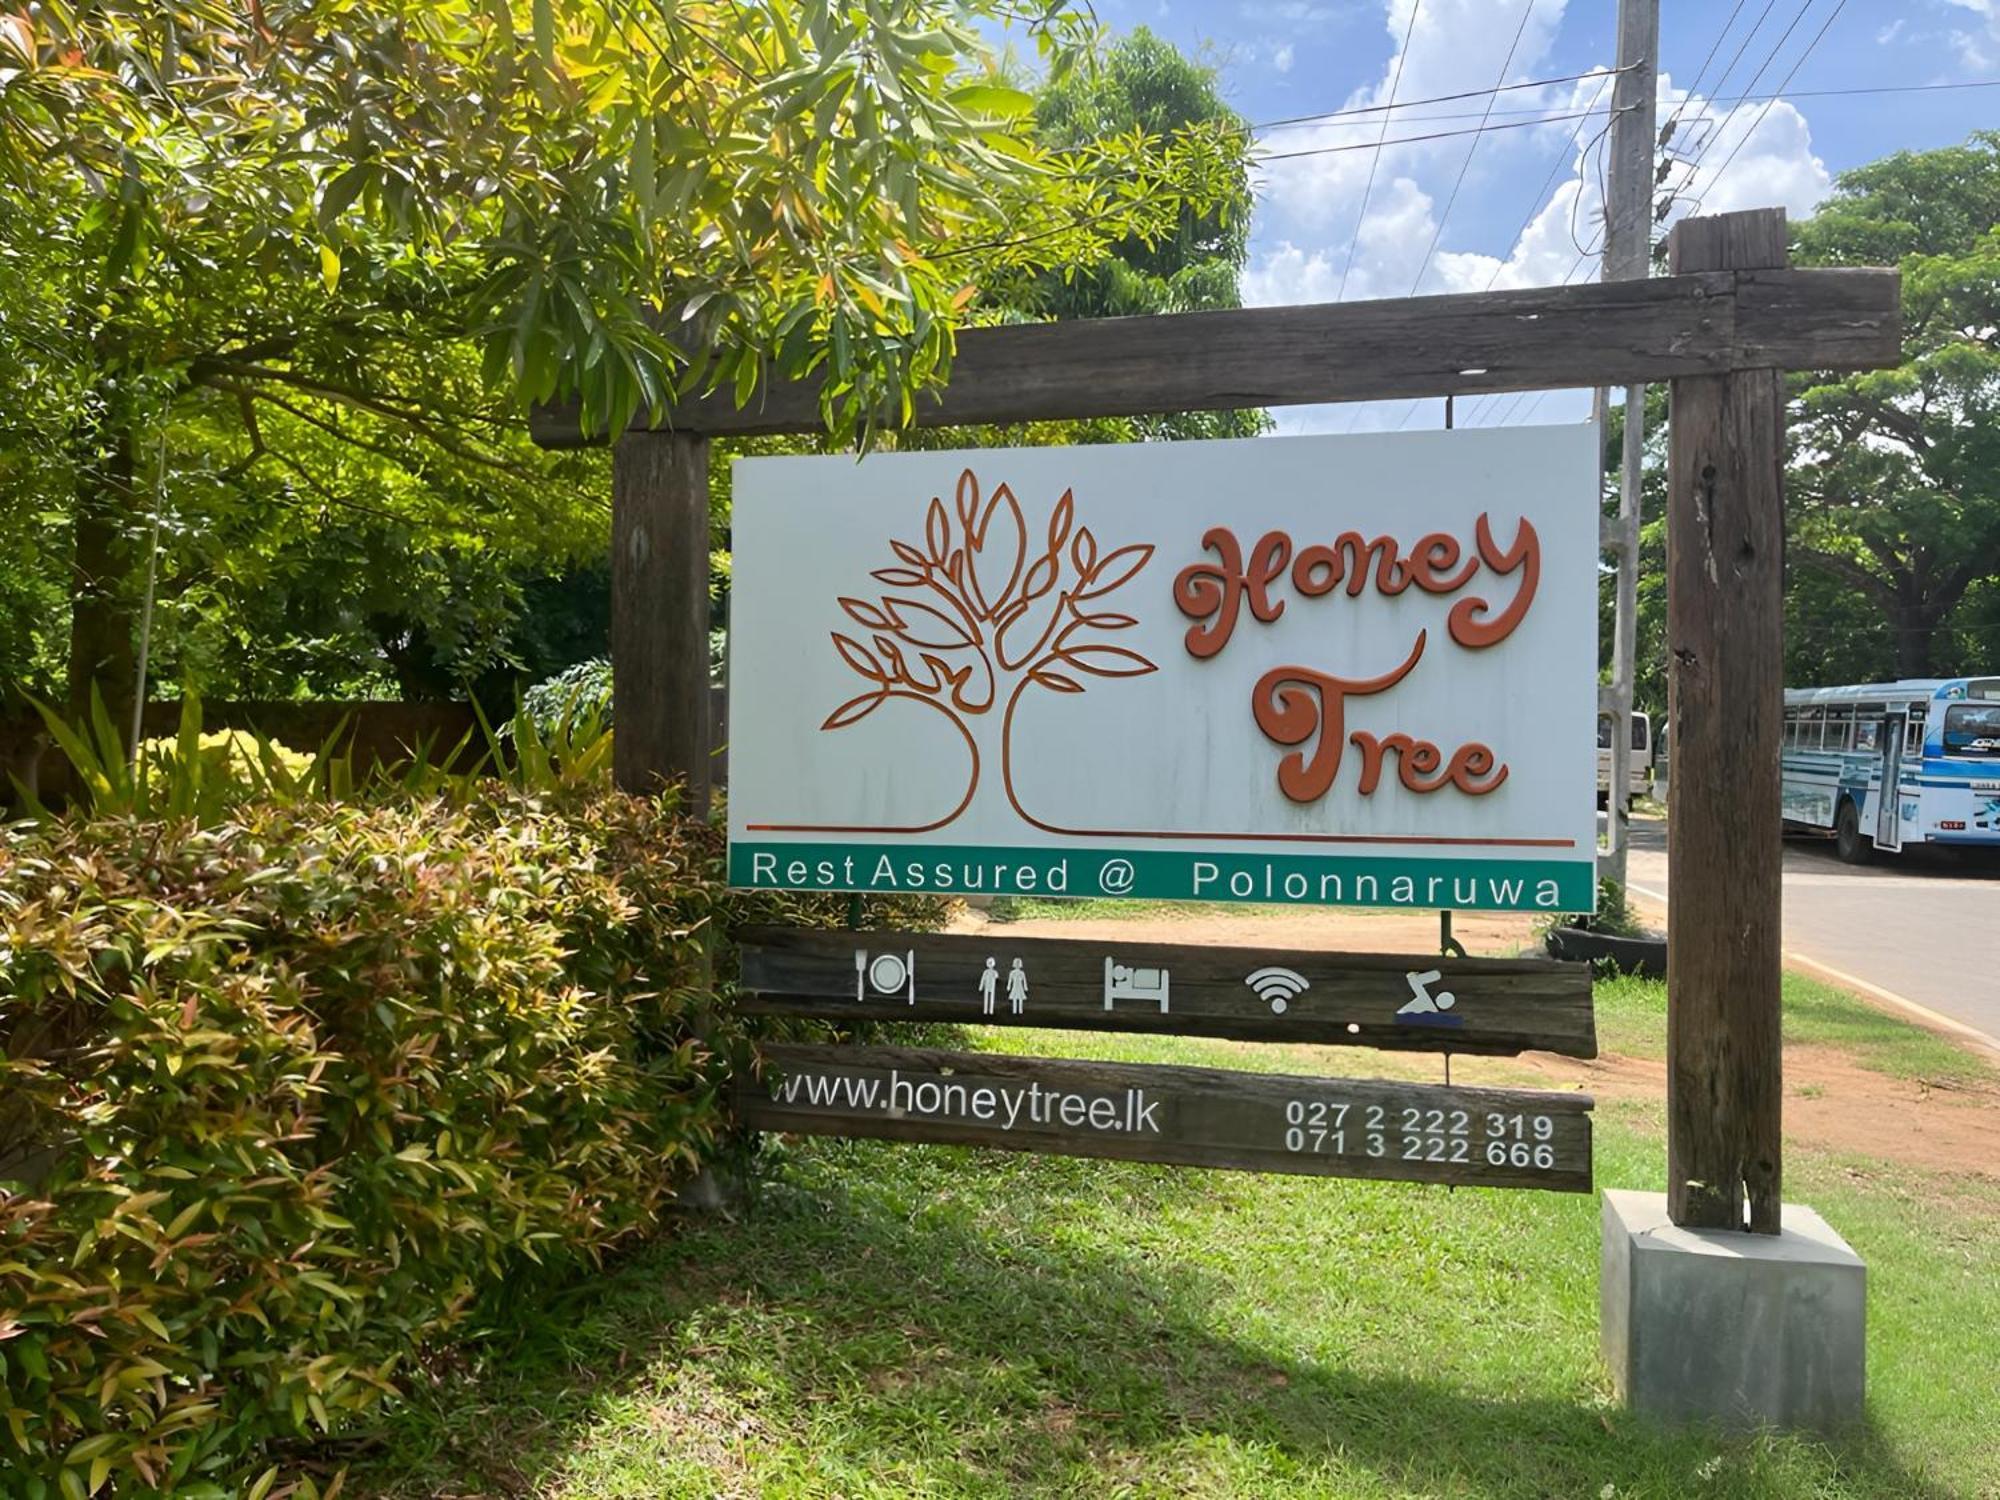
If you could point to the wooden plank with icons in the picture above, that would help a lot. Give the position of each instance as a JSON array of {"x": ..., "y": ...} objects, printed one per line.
[
  {"x": 1397, "y": 1001},
  {"x": 1194, "y": 1117}
]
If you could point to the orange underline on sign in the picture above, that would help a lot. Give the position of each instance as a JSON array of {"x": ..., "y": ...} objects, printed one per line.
[{"x": 1288, "y": 838}]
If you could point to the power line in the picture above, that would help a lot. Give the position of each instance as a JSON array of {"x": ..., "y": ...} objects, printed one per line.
[
  {"x": 1796, "y": 65},
  {"x": 1607, "y": 74},
  {"x": 1370, "y": 109},
  {"x": 1744, "y": 45},
  {"x": 1701, "y": 152},
  {"x": 1471, "y": 147},
  {"x": 1667, "y": 132},
  {"x": 1435, "y": 135},
  {"x": 1367, "y": 192},
  {"x": 1535, "y": 205}
]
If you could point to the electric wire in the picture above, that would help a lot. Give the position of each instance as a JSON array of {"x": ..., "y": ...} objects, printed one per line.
[
  {"x": 1488, "y": 402},
  {"x": 1472, "y": 146},
  {"x": 1369, "y": 109},
  {"x": 1744, "y": 140},
  {"x": 1715, "y": 135},
  {"x": 1741, "y": 47},
  {"x": 1542, "y": 111},
  {"x": 1396, "y": 82},
  {"x": 1435, "y": 135},
  {"x": 1667, "y": 130}
]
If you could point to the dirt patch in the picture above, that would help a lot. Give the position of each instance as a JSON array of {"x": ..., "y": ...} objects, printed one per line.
[{"x": 1832, "y": 1102}]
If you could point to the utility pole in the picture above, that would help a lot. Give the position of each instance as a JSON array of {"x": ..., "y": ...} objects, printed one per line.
[{"x": 1628, "y": 223}]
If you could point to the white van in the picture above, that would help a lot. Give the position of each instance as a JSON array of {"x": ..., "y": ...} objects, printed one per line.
[{"x": 1640, "y": 781}]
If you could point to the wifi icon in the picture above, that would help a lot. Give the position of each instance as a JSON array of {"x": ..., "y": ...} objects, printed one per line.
[{"x": 1280, "y": 987}]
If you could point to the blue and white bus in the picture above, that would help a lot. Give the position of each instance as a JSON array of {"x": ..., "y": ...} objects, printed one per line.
[{"x": 1936, "y": 741}]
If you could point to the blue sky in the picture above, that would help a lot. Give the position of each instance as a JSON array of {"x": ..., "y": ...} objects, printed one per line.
[{"x": 1529, "y": 198}]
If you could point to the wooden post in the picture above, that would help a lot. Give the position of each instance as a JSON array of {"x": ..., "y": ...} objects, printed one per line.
[
  {"x": 659, "y": 614},
  {"x": 1725, "y": 556}
]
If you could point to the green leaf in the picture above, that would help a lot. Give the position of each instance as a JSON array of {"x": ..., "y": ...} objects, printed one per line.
[
  {"x": 995, "y": 100},
  {"x": 329, "y": 268},
  {"x": 341, "y": 190},
  {"x": 545, "y": 33}
]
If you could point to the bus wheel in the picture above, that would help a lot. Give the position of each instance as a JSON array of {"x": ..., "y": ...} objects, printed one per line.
[{"x": 1853, "y": 847}]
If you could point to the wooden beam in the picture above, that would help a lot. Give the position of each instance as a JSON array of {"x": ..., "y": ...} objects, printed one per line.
[
  {"x": 1725, "y": 557},
  {"x": 1490, "y": 1005},
  {"x": 1611, "y": 333},
  {"x": 659, "y": 615},
  {"x": 1191, "y": 1117}
]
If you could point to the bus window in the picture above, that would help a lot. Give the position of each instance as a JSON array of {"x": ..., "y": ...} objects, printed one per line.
[
  {"x": 1913, "y": 739},
  {"x": 1641, "y": 733},
  {"x": 1972, "y": 729},
  {"x": 1811, "y": 722},
  {"x": 1839, "y": 727},
  {"x": 1603, "y": 732},
  {"x": 1867, "y": 732}
]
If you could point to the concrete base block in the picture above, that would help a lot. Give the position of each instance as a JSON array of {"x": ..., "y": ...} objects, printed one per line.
[{"x": 1746, "y": 1330}]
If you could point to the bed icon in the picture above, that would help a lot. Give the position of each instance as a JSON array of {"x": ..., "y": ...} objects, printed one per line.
[{"x": 1128, "y": 982}]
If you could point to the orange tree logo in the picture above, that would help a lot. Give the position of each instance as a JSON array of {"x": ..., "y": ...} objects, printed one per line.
[{"x": 979, "y": 614}]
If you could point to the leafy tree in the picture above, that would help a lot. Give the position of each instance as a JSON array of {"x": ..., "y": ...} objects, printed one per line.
[
  {"x": 1893, "y": 492},
  {"x": 1145, "y": 83},
  {"x": 309, "y": 257}
]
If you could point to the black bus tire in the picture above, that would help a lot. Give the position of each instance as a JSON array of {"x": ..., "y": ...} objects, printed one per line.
[{"x": 1852, "y": 845}]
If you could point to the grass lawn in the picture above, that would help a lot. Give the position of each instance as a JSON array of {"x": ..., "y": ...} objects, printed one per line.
[{"x": 889, "y": 1320}]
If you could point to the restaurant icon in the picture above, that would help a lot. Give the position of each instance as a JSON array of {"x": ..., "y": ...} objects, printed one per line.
[{"x": 886, "y": 973}]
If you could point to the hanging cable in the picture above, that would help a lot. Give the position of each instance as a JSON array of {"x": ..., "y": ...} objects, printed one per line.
[
  {"x": 1667, "y": 130},
  {"x": 1367, "y": 192},
  {"x": 1743, "y": 46},
  {"x": 1535, "y": 207},
  {"x": 1542, "y": 114},
  {"x": 1715, "y": 135},
  {"x": 1754, "y": 124},
  {"x": 1291, "y": 121},
  {"x": 1472, "y": 146},
  {"x": 1435, "y": 135}
]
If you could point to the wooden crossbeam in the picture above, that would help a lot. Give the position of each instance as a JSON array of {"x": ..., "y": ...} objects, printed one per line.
[{"x": 1534, "y": 338}]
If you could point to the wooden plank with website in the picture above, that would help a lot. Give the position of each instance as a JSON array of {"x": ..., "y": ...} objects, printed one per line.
[
  {"x": 1195, "y": 1117},
  {"x": 1406, "y": 1002}
]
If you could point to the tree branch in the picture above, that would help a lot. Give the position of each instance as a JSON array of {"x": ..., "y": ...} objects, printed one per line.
[
  {"x": 1847, "y": 568},
  {"x": 205, "y": 370}
]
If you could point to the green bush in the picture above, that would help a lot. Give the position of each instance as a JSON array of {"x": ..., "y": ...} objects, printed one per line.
[{"x": 282, "y": 1096}]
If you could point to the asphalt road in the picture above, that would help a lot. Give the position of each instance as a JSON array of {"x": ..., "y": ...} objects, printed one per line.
[{"x": 1923, "y": 926}]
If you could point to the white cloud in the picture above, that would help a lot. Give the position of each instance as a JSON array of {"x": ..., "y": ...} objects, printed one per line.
[
  {"x": 1282, "y": 58},
  {"x": 1288, "y": 10},
  {"x": 1752, "y": 156},
  {"x": 1289, "y": 275},
  {"x": 1311, "y": 204},
  {"x": 1305, "y": 242},
  {"x": 1977, "y": 50}
]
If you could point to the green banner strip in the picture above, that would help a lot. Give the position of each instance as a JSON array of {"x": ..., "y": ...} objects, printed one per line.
[{"x": 1561, "y": 885}]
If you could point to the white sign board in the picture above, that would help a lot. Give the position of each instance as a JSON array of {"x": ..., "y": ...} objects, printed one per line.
[{"x": 1355, "y": 671}]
